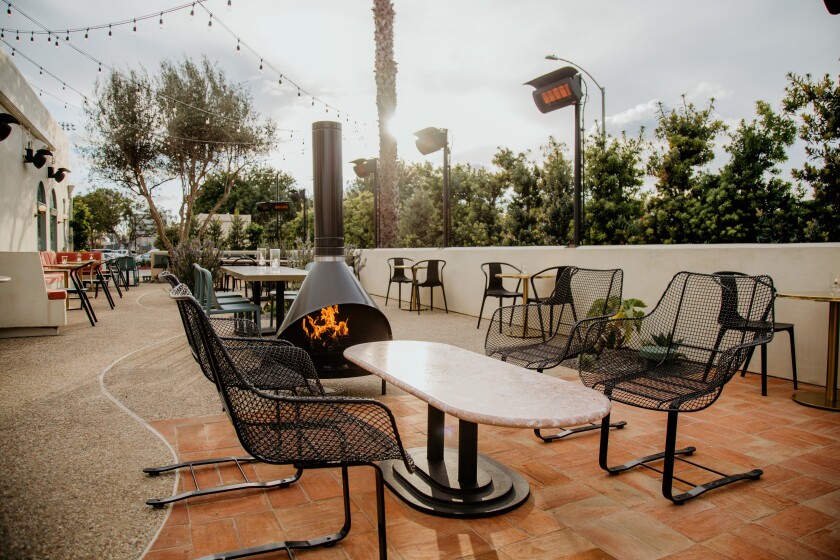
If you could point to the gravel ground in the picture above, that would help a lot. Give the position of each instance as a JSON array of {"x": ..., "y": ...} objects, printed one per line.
[{"x": 73, "y": 410}]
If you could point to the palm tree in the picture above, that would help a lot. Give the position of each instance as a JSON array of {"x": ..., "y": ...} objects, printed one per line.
[{"x": 385, "y": 70}]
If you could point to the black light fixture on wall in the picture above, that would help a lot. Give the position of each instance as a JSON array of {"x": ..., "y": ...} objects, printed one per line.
[
  {"x": 58, "y": 174},
  {"x": 38, "y": 159},
  {"x": 6, "y": 120}
]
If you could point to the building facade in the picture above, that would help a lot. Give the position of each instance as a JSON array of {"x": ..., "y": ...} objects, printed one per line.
[{"x": 35, "y": 188}]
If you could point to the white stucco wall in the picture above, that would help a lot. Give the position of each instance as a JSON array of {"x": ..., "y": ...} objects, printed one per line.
[
  {"x": 19, "y": 181},
  {"x": 647, "y": 271}
]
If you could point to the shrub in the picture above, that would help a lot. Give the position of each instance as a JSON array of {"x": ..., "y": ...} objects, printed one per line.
[{"x": 185, "y": 254}]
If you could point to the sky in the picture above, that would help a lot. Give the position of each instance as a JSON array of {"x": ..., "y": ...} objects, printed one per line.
[{"x": 461, "y": 64}]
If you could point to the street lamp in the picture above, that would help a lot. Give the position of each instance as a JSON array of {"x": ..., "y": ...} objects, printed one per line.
[
  {"x": 362, "y": 168},
  {"x": 430, "y": 140},
  {"x": 553, "y": 91},
  {"x": 603, "y": 91}
]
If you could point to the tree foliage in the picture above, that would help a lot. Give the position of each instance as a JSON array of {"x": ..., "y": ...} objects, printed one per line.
[{"x": 183, "y": 124}]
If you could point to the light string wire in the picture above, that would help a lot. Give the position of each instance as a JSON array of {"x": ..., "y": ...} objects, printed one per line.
[{"x": 200, "y": 3}]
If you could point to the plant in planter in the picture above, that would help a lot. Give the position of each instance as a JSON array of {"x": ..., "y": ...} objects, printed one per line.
[
  {"x": 660, "y": 347},
  {"x": 617, "y": 334}
]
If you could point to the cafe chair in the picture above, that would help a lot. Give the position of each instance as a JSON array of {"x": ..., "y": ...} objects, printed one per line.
[
  {"x": 272, "y": 376},
  {"x": 494, "y": 286},
  {"x": 540, "y": 336},
  {"x": 677, "y": 359},
  {"x": 434, "y": 279},
  {"x": 111, "y": 272},
  {"x": 129, "y": 271},
  {"x": 777, "y": 327},
  {"x": 535, "y": 296},
  {"x": 79, "y": 290},
  {"x": 398, "y": 276},
  {"x": 308, "y": 432},
  {"x": 229, "y": 283},
  {"x": 214, "y": 305},
  {"x": 93, "y": 278}
]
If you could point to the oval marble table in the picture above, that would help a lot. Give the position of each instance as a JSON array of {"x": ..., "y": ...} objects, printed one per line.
[{"x": 476, "y": 390}]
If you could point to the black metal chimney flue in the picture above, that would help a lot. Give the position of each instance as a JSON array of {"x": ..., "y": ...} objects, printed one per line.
[
  {"x": 327, "y": 183},
  {"x": 331, "y": 282}
]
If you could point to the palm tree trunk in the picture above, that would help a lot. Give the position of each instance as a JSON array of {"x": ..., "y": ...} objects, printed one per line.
[{"x": 386, "y": 103}]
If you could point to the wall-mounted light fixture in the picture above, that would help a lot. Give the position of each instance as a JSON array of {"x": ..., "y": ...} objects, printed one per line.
[
  {"x": 58, "y": 174},
  {"x": 40, "y": 208},
  {"x": 38, "y": 159},
  {"x": 6, "y": 120}
]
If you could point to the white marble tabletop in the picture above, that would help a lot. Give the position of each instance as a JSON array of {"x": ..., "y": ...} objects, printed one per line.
[
  {"x": 479, "y": 389},
  {"x": 264, "y": 273}
]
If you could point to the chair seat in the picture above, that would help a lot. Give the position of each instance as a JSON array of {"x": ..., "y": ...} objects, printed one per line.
[
  {"x": 779, "y": 327},
  {"x": 501, "y": 292},
  {"x": 401, "y": 280}
]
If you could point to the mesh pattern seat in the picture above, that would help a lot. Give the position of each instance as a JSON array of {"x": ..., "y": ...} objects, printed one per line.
[
  {"x": 305, "y": 431},
  {"x": 494, "y": 286},
  {"x": 678, "y": 357},
  {"x": 542, "y": 335}
]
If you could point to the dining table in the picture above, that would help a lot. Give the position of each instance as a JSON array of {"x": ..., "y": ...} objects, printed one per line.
[
  {"x": 72, "y": 270},
  {"x": 475, "y": 389},
  {"x": 256, "y": 275},
  {"x": 827, "y": 400}
]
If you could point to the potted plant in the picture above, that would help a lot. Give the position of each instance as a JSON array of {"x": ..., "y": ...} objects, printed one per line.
[{"x": 660, "y": 347}]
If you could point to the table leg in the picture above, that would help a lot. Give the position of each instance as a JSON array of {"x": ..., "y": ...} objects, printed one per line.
[
  {"x": 455, "y": 483},
  {"x": 827, "y": 400},
  {"x": 280, "y": 302}
]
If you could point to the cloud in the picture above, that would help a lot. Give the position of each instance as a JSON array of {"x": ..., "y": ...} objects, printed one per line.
[
  {"x": 704, "y": 90},
  {"x": 640, "y": 112}
]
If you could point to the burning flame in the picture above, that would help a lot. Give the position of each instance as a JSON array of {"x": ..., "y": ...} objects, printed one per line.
[{"x": 325, "y": 328}]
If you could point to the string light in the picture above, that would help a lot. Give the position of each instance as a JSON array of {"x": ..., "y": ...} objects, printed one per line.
[
  {"x": 230, "y": 6},
  {"x": 17, "y": 36},
  {"x": 210, "y": 23},
  {"x": 9, "y": 9},
  {"x": 238, "y": 50},
  {"x": 87, "y": 32},
  {"x": 192, "y": 11},
  {"x": 32, "y": 37},
  {"x": 134, "y": 29},
  {"x": 261, "y": 66},
  {"x": 110, "y": 34},
  {"x": 161, "y": 20}
]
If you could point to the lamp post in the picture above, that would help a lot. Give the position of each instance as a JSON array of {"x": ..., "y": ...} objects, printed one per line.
[
  {"x": 430, "y": 140},
  {"x": 362, "y": 168},
  {"x": 603, "y": 91}
]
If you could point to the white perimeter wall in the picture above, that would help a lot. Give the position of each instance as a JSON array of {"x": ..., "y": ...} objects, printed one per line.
[{"x": 647, "y": 271}]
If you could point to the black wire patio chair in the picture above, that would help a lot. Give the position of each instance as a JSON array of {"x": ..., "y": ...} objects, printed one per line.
[
  {"x": 309, "y": 432},
  {"x": 540, "y": 336},
  {"x": 267, "y": 374},
  {"x": 677, "y": 359}
]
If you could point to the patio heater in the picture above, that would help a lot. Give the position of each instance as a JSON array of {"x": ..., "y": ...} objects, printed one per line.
[
  {"x": 553, "y": 91},
  {"x": 430, "y": 140},
  {"x": 362, "y": 168}
]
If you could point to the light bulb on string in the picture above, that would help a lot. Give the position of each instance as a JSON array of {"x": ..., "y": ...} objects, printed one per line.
[
  {"x": 192, "y": 10},
  {"x": 160, "y": 23},
  {"x": 67, "y": 38},
  {"x": 210, "y": 23},
  {"x": 238, "y": 50},
  {"x": 230, "y": 6},
  {"x": 110, "y": 33},
  {"x": 207, "y": 120},
  {"x": 261, "y": 65},
  {"x": 40, "y": 71},
  {"x": 100, "y": 67},
  {"x": 134, "y": 29},
  {"x": 87, "y": 31},
  {"x": 17, "y": 36},
  {"x": 298, "y": 92},
  {"x": 9, "y": 9},
  {"x": 32, "y": 37}
]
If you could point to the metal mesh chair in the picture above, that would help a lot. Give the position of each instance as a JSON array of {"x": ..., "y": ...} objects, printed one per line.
[
  {"x": 398, "y": 276},
  {"x": 777, "y": 327},
  {"x": 535, "y": 296},
  {"x": 542, "y": 335},
  {"x": 677, "y": 358},
  {"x": 306, "y": 431},
  {"x": 269, "y": 374},
  {"x": 494, "y": 286}
]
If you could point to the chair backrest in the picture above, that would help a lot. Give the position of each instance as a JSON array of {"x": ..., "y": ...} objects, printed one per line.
[
  {"x": 491, "y": 271},
  {"x": 127, "y": 263},
  {"x": 169, "y": 277},
  {"x": 198, "y": 285},
  {"x": 398, "y": 273},
  {"x": 589, "y": 292},
  {"x": 705, "y": 314},
  {"x": 434, "y": 271}
]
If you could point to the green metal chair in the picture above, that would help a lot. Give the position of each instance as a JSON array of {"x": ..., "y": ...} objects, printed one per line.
[{"x": 213, "y": 305}]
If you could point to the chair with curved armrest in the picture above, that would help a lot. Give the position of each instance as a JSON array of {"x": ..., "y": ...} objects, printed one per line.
[
  {"x": 777, "y": 327},
  {"x": 398, "y": 276},
  {"x": 540, "y": 336},
  {"x": 271, "y": 376},
  {"x": 309, "y": 432},
  {"x": 677, "y": 359},
  {"x": 535, "y": 296},
  {"x": 494, "y": 286}
]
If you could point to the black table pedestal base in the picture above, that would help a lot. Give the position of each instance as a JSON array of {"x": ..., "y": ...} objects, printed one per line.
[{"x": 433, "y": 488}]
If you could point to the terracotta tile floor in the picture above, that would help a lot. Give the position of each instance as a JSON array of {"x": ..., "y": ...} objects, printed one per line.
[{"x": 575, "y": 511}]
